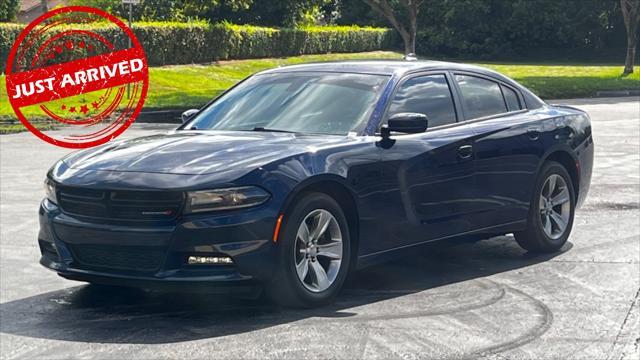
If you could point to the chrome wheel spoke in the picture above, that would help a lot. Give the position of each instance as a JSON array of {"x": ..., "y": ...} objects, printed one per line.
[
  {"x": 332, "y": 250},
  {"x": 303, "y": 268},
  {"x": 320, "y": 225},
  {"x": 561, "y": 198},
  {"x": 320, "y": 275},
  {"x": 560, "y": 222},
  {"x": 303, "y": 233},
  {"x": 552, "y": 185},
  {"x": 547, "y": 225}
]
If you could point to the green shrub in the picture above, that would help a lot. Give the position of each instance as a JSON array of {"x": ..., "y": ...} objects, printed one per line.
[
  {"x": 8, "y": 9},
  {"x": 168, "y": 43}
]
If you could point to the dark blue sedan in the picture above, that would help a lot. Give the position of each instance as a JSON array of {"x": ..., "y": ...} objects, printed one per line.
[{"x": 297, "y": 175}]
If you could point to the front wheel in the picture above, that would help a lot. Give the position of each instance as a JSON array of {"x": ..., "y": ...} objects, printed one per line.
[
  {"x": 314, "y": 252},
  {"x": 551, "y": 211}
]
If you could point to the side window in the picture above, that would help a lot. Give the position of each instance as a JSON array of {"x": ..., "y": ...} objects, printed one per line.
[
  {"x": 510, "y": 96},
  {"x": 429, "y": 95},
  {"x": 480, "y": 97}
]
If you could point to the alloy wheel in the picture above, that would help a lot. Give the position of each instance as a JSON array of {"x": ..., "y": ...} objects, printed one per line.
[
  {"x": 555, "y": 206},
  {"x": 318, "y": 250}
]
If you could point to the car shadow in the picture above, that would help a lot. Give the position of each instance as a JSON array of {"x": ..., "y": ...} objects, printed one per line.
[{"x": 93, "y": 314}]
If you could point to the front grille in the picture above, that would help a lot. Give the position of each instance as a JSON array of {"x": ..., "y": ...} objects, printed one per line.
[
  {"x": 120, "y": 204},
  {"x": 117, "y": 257}
]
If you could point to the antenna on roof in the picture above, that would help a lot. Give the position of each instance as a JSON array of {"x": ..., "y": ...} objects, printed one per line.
[{"x": 410, "y": 57}]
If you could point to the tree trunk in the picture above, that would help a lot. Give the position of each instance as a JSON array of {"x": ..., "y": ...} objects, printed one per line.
[
  {"x": 631, "y": 15},
  {"x": 409, "y": 41},
  {"x": 413, "y": 27},
  {"x": 408, "y": 35},
  {"x": 410, "y": 45},
  {"x": 631, "y": 55}
]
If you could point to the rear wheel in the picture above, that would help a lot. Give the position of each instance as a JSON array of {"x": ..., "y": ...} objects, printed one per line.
[
  {"x": 314, "y": 253},
  {"x": 551, "y": 211}
]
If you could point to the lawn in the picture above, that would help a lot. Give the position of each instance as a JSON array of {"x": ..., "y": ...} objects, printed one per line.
[{"x": 183, "y": 86}]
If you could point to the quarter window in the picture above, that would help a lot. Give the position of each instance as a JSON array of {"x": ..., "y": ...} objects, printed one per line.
[
  {"x": 511, "y": 98},
  {"x": 480, "y": 97},
  {"x": 429, "y": 95}
]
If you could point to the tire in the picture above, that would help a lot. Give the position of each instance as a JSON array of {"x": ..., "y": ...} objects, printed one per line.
[
  {"x": 307, "y": 290},
  {"x": 549, "y": 223}
]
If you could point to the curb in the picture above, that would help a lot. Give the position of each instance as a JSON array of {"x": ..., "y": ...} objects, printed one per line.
[
  {"x": 161, "y": 116},
  {"x": 617, "y": 93}
]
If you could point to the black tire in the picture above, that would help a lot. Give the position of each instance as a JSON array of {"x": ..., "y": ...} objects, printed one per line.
[
  {"x": 534, "y": 238},
  {"x": 286, "y": 288}
]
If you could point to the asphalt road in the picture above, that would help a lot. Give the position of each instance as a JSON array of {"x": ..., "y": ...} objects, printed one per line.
[{"x": 488, "y": 299}]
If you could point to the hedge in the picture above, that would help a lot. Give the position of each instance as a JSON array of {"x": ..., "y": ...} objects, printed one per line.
[{"x": 169, "y": 43}]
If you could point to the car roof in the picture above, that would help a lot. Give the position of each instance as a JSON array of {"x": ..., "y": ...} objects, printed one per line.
[{"x": 382, "y": 67}]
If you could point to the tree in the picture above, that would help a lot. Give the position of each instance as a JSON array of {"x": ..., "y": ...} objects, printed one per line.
[
  {"x": 278, "y": 13},
  {"x": 167, "y": 10},
  {"x": 44, "y": 7},
  {"x": 8, "y": 10},
  {"x": 393, "y": 12},
  {"x": 631, "y": 15}
]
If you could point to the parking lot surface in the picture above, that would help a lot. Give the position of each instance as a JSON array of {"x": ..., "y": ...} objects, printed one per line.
[{"x": 489, "y": 299}]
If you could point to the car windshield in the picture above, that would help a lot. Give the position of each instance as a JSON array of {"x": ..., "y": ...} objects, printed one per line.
[{"x": 317, "y": 102}]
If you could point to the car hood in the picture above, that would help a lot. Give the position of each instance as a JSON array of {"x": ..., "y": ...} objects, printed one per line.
[{"x": 197, "y": 152}]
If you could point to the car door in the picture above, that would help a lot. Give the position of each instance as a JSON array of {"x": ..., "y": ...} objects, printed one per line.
[
  {"x": 507, "y": 148},
  {"x": 428, "y": 176}
]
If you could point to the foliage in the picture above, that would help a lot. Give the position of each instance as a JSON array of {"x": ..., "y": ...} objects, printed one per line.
[
  {"x": 281, "y": 13},
  {"x": 8, "y": 34},
  {"x": 8, "y": 9},
  {"x": 287, "y": 13},
  {"x": 166, "y": 10},
  {"x": 514, "y": 29},
  {"x": 199, "y": 42}
]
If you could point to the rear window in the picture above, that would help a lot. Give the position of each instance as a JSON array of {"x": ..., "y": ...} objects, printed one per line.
[
  {"x": 511, "y": 98},
  {"x": 480, "y": 97}
]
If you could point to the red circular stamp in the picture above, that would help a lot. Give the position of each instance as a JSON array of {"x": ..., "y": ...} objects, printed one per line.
[{"x": 64, "y": 67}]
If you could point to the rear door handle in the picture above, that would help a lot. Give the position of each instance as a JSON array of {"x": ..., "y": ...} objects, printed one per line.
[
  {"x": 465, "y": 151},
  {"x": 533, "y": 133}
]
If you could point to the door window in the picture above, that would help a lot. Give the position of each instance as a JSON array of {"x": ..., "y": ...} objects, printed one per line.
[
  {"x": 480, "y": 97},
  {"x": 429, "y": 95}
]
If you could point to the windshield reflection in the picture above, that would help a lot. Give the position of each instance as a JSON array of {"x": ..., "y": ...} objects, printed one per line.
[{"x": 317, "y": 102}]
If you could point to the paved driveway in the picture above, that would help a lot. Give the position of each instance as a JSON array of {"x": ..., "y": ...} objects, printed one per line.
[{"x": 487, "y": 299}]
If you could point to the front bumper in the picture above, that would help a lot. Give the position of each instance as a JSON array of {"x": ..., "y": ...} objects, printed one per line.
[{"x": 155, "y": 255}]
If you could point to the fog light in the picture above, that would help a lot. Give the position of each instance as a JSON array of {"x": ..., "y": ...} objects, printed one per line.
[{"x": 208, "y": 260}]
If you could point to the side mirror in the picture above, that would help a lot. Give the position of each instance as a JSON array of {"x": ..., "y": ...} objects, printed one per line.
[
  {"x": 187, "y": 115},
  {"x": 405, "y": 123}
]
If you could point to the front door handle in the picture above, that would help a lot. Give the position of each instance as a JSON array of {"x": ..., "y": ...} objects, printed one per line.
[{"x": 465, "y": 151}]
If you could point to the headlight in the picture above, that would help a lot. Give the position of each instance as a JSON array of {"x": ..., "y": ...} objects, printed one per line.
[
  {"x": 50, "y": 191},
  {"x": 224, "y": 199}
]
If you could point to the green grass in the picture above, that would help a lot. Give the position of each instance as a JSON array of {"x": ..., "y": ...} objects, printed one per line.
[
  {"x": 184, "y": 86},
  {"x": 568, "y": 81}
]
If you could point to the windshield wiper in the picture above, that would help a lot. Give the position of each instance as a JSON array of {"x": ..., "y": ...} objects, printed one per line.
[{"x": 263, "y": 129}]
